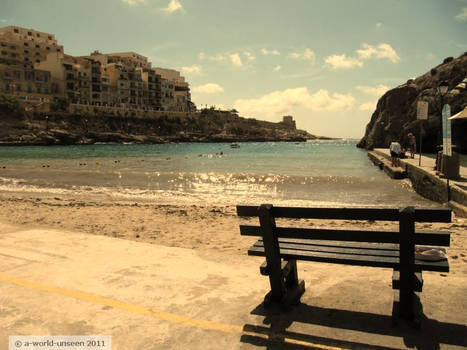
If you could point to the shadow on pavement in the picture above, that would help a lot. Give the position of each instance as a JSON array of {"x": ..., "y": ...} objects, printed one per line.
[{"x": 273, "y": 333}]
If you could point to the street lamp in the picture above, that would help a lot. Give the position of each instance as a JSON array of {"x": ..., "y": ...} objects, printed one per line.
[{"x": 46, "y": 123}]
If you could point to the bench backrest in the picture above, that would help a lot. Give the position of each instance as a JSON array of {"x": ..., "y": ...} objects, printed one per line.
[{"x": 376, "y": 236}]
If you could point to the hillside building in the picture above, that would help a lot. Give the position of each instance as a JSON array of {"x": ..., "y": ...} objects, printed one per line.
[{"x": 34, "y": 65}]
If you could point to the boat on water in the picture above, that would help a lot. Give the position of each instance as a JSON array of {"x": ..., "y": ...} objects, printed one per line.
[{"x": 234, "y": 145}]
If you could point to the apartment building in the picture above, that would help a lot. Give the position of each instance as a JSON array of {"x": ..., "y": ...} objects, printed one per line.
[
  {"x": 175, "y": 91},
  {"x": 123, "y": 79},
  {"x": 21, "y": 45},
  {"x": 152, "y": 92},
  {"x": 24, "y": 80}
]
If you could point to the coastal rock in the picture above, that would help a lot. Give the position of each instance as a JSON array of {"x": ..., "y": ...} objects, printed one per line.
[
  {"x": 396, "y": 112},
  {"x": 64, "y": 128}
]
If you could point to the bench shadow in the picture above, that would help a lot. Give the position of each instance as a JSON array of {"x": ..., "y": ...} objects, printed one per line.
[{"x": 273, "y": 334}]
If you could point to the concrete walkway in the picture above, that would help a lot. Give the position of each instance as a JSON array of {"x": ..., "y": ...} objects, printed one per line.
[
  {"x": 428, "y": 182},
  {"x": 427, "y": 164},
  {"x": 152, "y": 297}
]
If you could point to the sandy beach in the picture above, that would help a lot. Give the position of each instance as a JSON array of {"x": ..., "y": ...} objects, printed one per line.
[{"x": 204, "y": 228}]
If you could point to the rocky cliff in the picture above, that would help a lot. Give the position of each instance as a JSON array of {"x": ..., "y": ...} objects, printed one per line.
[
  {"x": 396, "y": 112},
  {"x": 64, "y": 128}
]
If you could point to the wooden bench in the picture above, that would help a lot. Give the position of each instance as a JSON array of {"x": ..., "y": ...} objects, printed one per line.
[{"x": 283, "y": 246}]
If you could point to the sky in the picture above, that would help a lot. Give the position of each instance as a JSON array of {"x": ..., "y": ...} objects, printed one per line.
[{"x": 324, "y": 62}]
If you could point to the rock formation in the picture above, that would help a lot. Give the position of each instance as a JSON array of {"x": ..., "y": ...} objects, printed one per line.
[
  {"x": 396, "y": 112},
  {"x": 63, "y": 128}
]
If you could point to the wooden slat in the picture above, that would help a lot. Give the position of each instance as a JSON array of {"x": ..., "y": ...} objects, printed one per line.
[
  {"x": 382, "y": 236},
  {"x": 334, "y": 249},
  {"x": 380, "y": 214},
  {"x": 328, "y": 243},
  {"x": 348, "y": 259}
]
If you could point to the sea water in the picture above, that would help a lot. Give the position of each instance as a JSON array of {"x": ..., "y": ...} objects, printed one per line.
[{"x": 304, "y": 173}]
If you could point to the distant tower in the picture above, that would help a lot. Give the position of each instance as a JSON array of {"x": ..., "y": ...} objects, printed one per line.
[{"x": 288, "y": 121}]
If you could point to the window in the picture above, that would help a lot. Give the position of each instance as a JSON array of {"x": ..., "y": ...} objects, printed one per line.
[
  {"x": 16, "y": 30},
  {"x": 18, "y": 75},
  {"x": 38, "y": 46},
  {"x": 38, "y": 61},
  {"x": 47, "y": 48},
  {"x": 38, "y": 89},
  {"x": 26, "y": 51},
  {"x": 28, "y": 76},
  {"x": 7, "y": 87},
  {"x": 29, "y": 33},
  {"x": 50, "y": 38},
  {"x": 29, "y": 89},
  {"x": 58, "y": 50},
  {"x": 18, "y": 87},
  {"x": 46, "y": 90},
  {"x": 26, "y": 44},
  {"x": 46, "y": 78},
  {"x": 4, "y": 53},
  {"x": 38, "y": 54},
  {"x": 38, "y": 35},
  {"x": 13, "y": 47},
  {"x": 3, "y": 45}
]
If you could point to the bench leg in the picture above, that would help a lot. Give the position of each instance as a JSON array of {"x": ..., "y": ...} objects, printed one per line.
[
  {"x": 294, "y": 288},
  {"x": 291, "y": 280}
]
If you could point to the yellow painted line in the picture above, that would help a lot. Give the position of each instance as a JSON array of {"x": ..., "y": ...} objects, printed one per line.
[{"x": 158, "y": 314}]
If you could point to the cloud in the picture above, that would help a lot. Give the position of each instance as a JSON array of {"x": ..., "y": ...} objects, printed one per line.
[
  {"x": 277, "y": 68},
  {"x": 462, "y": 16},
  {"x": 368, "y": 106},
  {"x": 307, "y": 55},
  {"x": 342, "y": 62},
  {"x": 381, "y": 51},
  {"x": 379, "y": 25},
  {"x": 135, "y": 2},
  {"x": 192, "y": 69},
  {"x": 173, "y": 6},
  {"x": 217, "y": 58},
  {"x": 3, "y": 20},
  {"x": 378, "y": 90},
  {"x": 267, "y": 52},
  {"x": 282, "y": 102},
  {"x": 249, "y": 56},
  {"x": 210, "y": 88},
  {"x": 236, "y": 59}
]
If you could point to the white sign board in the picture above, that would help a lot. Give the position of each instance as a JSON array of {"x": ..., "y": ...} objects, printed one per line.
[
  {"x": 422, "y": 110},
  {"x": 447, "y": 147}
]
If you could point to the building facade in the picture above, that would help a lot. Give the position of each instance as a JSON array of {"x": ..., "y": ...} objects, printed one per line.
[{"x": 33, "y": 63}]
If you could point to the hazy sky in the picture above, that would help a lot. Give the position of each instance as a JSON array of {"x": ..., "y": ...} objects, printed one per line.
[{"x": 324, "y": 62}]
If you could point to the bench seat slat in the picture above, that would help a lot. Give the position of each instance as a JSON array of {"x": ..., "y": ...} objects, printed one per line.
[
  {"x": 334, "y": 249},
  {"x": 326, "y": 243},
  {"x": 382, "y": 236},
  {"x": 380, "y": 214},
  {"x": 351, "y": 259}
]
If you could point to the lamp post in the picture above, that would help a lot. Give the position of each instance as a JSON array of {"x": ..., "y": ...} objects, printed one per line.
[{"x": 46, "y": 123}]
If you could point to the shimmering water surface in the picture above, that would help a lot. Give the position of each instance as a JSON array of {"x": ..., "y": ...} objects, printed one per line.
[{"x": 312, "y": 173}]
